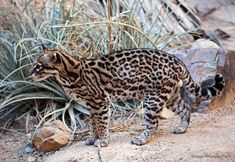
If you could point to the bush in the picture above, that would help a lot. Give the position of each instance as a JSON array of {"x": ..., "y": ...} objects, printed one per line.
[{"x": 84, "y": 29}]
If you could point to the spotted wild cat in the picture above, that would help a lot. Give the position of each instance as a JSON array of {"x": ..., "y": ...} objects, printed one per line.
[{"x": 150, "y": 75}]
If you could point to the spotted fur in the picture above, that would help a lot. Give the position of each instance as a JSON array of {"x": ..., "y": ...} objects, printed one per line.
[{"x": 155, "y": 77}]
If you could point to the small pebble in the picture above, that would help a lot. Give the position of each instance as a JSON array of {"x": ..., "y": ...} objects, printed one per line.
[
  {"x": 27, "y": 150},
  {"x": 31, "y": 159}
]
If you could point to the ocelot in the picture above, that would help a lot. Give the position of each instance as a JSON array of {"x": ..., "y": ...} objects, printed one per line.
[{"x": 150, "y": 75}]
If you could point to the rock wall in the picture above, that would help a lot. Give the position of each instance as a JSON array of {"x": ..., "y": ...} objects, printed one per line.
[{"x": 227, "y": 97}]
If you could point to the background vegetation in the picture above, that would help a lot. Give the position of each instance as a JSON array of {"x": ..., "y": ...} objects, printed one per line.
[{"x": 86, "y": 29}]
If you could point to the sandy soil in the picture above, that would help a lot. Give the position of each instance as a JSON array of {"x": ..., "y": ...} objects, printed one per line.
[
  {"x": 11, "y": 146},
  {"x": 210, "y": 137}
]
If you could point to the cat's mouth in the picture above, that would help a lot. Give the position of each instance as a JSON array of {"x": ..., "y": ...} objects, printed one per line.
[{"x": 39, "y": 77}]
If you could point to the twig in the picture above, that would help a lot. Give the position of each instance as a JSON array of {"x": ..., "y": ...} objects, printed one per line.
[
  {"x": 51, "y": 113},
  {"x": 99, "y": 152},
  {"x": 80, "y": 134},
  {"x": 11, "y": 130},
  {"x": 126, "y": 123},
  {"x": 110, "y": 27}
]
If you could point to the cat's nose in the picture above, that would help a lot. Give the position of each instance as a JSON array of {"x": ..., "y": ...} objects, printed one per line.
[{"x": 31, "y": 71}]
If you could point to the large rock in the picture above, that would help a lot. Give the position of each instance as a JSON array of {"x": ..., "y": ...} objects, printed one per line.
[
  {"x": 51, "y": 136},
  {"x": 225, "y": 13},
  {"x": 208, "y": 7},
  {"x": 202, "y": 63}
]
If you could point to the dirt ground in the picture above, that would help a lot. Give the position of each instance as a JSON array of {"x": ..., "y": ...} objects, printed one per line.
[
  {"x": 10, "y": 147},
  {"x": 210, "y": 137}
]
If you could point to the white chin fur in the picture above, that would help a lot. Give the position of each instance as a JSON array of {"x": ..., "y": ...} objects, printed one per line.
[{"x": 37, "y": 78}]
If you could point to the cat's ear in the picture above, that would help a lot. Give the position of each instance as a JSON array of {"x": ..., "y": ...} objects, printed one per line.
[{"x": 48, "y": 57}]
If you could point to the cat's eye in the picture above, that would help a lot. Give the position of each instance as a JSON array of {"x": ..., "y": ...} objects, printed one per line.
[{"x": 37, "y": 67}]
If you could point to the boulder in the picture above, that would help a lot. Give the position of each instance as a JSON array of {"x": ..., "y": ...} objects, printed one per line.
[
  {"x": 203, "y": 64},
  {"x": 51, "y": 136}
]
